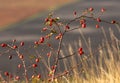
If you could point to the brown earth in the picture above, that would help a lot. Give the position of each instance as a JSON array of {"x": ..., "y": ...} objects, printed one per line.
[{"x": 12, "y": 11}]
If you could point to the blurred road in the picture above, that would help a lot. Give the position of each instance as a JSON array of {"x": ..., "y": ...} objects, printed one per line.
[
  {"x": 29, "y": 31},
  {"x": 14, "y": 11}
]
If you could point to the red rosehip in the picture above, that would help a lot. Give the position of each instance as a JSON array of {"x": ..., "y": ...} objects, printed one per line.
[
  {"x": 10, "y": 56},
  {"x": 37, "y": 60},
  {"x": 38, "y": 76},
  {"x": 47, "y": 36},
  {"x": 41, "y": 39},
  {"x": 17, "y": 78},
  {"x": 51, "y": 20},
  {"x": 49, "y": 54},
  {"x": 103, "y": 9},
  {"x": 57, "y": 37},
  {"x": 22, "y": 44},
  {"x": 6, "y": 73},
  {"x": 46, "y": 19},
  {"x": 14, "y": 40},
  {"x": 90, "y": 9},
  {"x": 3, "y": 45},
  {"x": 81, "y": 52},
  {"x": 74, "y": 13},
  {"x": 113, "y": 21},
  {"x": 14, "y": 47},
  {"x": 97, "y": 26},
  {"x": 34, "y": 65},
  {"x": 53, "y": 67},
  {"x": 67, "y": 27},
  {"x": 36, "y": 42},
  {"x": 83, "y": 25},
  {"x": 51, "y": 23},
  {"x": 49, "y": 45},
  {"x": 44, "y": 29},
  {"x": 19, "y": 65},
  {"x": 98, "y": 19},
  {"x": 80, "y": 49},
  {"x": 33, "y": 76},
  {"x": 21, "y": 56}
]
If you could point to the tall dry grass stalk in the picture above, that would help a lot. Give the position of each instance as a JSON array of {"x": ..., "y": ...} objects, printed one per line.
[{"x": 102, "y": 66}]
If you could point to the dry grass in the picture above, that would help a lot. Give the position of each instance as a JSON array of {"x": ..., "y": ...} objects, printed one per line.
[
  {"x": 103, "y": 68},
  {"x": 15, "y": 10}
]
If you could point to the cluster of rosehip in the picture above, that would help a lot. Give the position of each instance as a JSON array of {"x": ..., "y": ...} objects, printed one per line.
[
  {"x": 89, "y": 10},
  {"x": 21, "y": 57}
]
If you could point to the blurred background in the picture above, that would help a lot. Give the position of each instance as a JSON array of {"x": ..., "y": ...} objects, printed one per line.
[{"x": 12, "y": 11}]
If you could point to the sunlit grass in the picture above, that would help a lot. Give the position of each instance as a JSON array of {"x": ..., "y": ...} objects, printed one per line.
[{"x": 105, "y": 68}]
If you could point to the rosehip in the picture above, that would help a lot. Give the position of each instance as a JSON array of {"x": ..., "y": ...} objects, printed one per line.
[
  {"x": 53, "y": 67},
  {"x": 57, "y": 37},
  {"x": 33, "y": 76},
  {"x": 3, "y": 45},
  {"x": 51, "y": 23},
  {"x": 10, "y": 57},
  {"x": 80, "y": 49},
  {"x": 103, "y": 9},
  {"x": 46, "y": 19},
  {"x": 67, "y": 27},
  {"x": 22, "y": 44},
  {"x": 74, "y": 13},
  {"x": 34, "y": 65},
  {"x": 81, "y": 52},
  {"x": 37, "y": 60},
  {"x": 14, "y": 47},
  {"x": 113, "y": 21},
  {"x": 36, "y": 42},
  {"x": 38, "y": 76},
  {"x": 47, "y": 36},
  {"x": 49, "y": 45},
  {"x": 51, "y": 20},
  {"x": 44, "y": 29},
  {"x": 97, "y": 26},
  {"x": 98, "y": 19},
  {"x": 14, "y": 40},
  {"x": 41, "y": 40},
  {"x": 19, "y": 66},
  {"x": 6, "y": 73},
  {"x": 90, "y": 9},
  {"x": 21, "y": 56},
  {"x": 49, "y": 54},
  {"x": 17, "y": 78},
  {"x": 83, "y": 25}
]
